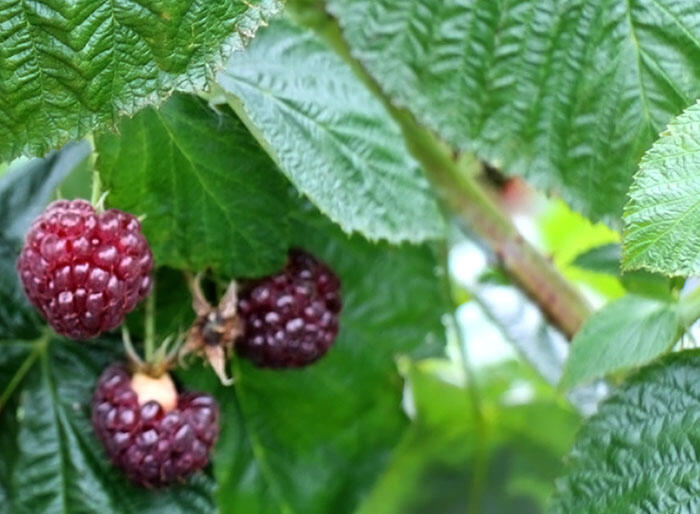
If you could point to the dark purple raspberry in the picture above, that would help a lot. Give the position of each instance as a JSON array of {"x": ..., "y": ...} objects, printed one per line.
[
  {"x": 291, "y": 319},
  {"x": 85, "y": 271},
  {"x": 153, "y": 447}
]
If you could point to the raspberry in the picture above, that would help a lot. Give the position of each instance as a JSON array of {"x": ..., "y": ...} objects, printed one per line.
[
  {"x": 291, "y": 319},
  {"x": 153, "y": 445},
  {"x": 82, "y": 270}
]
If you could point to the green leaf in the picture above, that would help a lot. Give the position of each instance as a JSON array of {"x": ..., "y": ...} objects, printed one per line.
[
  {"x": 56, "y": 461},
  {"x": 568, "y": 94},
  {"x": 211, "y": 196},
  {"x": 68, "y": 67},
  {"x": 663, "y": 210},
  {"x": 606, "y": 259},
  {"x": 25, "y": 190},
  {"x": 626, "y": 333},
  {"x": 330, "y": 135},
  {"x": 601, "y": 259},
  {"x": 638, "y": 454},
  {"x": 318, "y": 437}
]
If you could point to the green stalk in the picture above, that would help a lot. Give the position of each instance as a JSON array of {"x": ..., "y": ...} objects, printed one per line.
[
  {"x": 96, "y": 187},
  {"x": 39, "y": 346},
  {"x": 467, "y": 199},
  {"x": 150, "y": 327},
  {"x": 689, "y": 307}
]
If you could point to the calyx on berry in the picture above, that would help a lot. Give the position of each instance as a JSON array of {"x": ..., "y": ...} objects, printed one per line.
[{"x": 84, "y": 270}]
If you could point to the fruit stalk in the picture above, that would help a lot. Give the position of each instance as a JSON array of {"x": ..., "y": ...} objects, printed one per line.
[{"x": 150, "y": 327}]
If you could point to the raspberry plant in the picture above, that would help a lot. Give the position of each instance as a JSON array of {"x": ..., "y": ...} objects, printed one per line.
[{"x": 295, "y": 190}]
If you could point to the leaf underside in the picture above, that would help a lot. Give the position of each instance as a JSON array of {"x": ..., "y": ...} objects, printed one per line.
[{"x": 332, "y": 138}]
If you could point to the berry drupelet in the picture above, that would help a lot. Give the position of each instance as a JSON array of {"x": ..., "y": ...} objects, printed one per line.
[
  {"x": 152, "y": 433},
  {"x": 83, "y": 270},
  {"x": 291, "y": 318}
]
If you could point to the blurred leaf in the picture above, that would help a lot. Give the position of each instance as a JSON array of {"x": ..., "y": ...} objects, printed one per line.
[
  {"x": 623, "y": 334},
  {"x": 638, "y": 454},
  {"x": 601, "y": 259},
  {"x": 606, "y": 259},
  {"x": 663, "y": 212},
  {"x": 319, "y": 437},
  {"x": 56, "y": 462},
  {"x": 330, "y": 135},
  {"x": 69, "y": 67},
  {"x": 566, "y": 234},
  {"x": 445, "y": 463},
  {"x": 211, "y": 196}
]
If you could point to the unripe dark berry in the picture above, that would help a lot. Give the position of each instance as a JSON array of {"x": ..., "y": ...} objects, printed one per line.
[
  {"x": 82, "y": 270},
  {"x": 291, "y": 318},
  {"x": 149, "y": 431}
]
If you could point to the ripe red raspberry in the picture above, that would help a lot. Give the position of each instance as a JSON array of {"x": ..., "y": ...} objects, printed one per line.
[
  {"x": 154, "y": 443},
  {"x": 291, "y": 319},
  {"x": 85, "y": 271}
]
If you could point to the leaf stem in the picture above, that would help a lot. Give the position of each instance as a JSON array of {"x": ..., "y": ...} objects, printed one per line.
[
  {"x": 150, "y": 327},
  {"x": 689, "y": 307},
  {"x": 473, "y": 205},
  {"x": 40, "y": 345}
]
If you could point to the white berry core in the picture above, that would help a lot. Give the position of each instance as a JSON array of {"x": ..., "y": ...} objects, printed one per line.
[{"x": 161, "y": 390}]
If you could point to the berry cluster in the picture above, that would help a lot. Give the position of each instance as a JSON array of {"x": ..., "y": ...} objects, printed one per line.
[
  {"x": 291, "y": 318},
  {"x": 85, "y": 271},
  {"x": 152, "y": 445}
]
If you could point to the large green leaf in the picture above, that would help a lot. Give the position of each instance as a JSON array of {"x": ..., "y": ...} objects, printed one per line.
[
  {"x": 56, "y": 462},
  {"x": 663, "y": 212},
  {"x": 626, "y": 333},
  {"x": 67, "y": 67},
  {"x": 317, "y": 438},
  {"x": 601, "y": 259},
  {"x": 330, "y": 136},
  {"x": 567, "y": 93},
  {"x": 211, "y": 196},
  {"x": 639, "y": 453}
]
